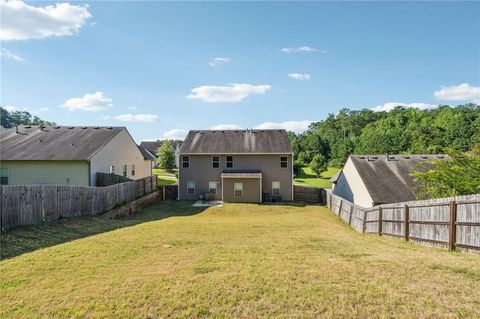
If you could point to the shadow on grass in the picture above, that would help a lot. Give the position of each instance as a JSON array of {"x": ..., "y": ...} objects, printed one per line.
[{"x": 20, "y": 240}]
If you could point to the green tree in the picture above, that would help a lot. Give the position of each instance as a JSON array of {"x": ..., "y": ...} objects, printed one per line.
[
  {"x": 319, "y": 164},
  {"x": 166, "y": 156},
  {"x": 11, "y": 119},
  {"x": 458, "y": 176}
]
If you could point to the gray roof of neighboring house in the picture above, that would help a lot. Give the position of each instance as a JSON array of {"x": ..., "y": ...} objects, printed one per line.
[
  {"x": 236, "y": 142},
  {"x": 54, "y": 142},
  {"x": 146, "y": 154},
  {"x": 151, "y": 146},
  {"x": 388, "y": 177}
]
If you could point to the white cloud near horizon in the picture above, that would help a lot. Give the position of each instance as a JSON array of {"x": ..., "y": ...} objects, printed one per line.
[
  {"x": 232, "y": 93},
  {"x": 90, "y": 102},
  {"x": 387, "y": 107},
  {"x": 10, "y": 55},
  {"x": 21, "y": 21},
  {"x": 219, "y": 61},
  {"x": 300, "y": 76},
  {"x": 461, "y": 92},
  {"x": 12, "y": 108},
  {"x": 226, "y": 127},
  {"x": 142, "y": 118},
  {"x": 304, "y": 48},
  {"x": 175, "y": 134},
  {"x": 293, "y": 126}
]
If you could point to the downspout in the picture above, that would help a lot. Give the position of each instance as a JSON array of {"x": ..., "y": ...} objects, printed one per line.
[
  {"x": 89, "y": 173},
  {"x": 292, "y": 175}
]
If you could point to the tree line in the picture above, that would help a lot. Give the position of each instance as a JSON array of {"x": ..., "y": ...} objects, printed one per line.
[
  {"x": 13, "y": 118},
  {"x": 400, "y": 131}
]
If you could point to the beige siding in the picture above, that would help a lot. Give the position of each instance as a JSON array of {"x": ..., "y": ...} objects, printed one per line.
[
  {"x": 201, "y": 172},
  {"x": 351, "y": 187},
  {"x": 251, "y": 190},
  {"x": 119, "y": 151},
  {"x": 47, "y": 172}
]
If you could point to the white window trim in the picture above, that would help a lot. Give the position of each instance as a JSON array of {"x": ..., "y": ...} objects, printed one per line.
[
  {"x": 111, "y": 169},
  {"x": 194, "y": 188},
  {"x": 233, "y": 161},
  {"x": 234, "y": 190},
  {"x": 218, "y": 161},
  {"x": 279, "y": 187},
  {"x": 280, "y": 159},
  {"x": 216, "y": 187},
  {"x": 182, "y": 161}
]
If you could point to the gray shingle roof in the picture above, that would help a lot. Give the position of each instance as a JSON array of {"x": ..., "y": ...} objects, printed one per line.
[
  {"x": 146, "y": 154},
  {"x": 390, "y": 181},
  {"x": 236, "y": 142},
  {"x": 54, "y": 143},
  {"x": 151, "y": 146}
]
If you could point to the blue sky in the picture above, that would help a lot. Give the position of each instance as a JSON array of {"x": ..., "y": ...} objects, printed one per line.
[{"x": 163, "y": 68}]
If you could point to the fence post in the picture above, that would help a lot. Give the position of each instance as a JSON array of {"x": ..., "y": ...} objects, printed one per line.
[
  {"x": 330, "y": 200},
  {"x": 351, "y": 213},
  {"x": 406, "y": 222},
  {"x": 453, "y": 226},
  {"x": 340, "y": 208},
  {"x": 163, "y": 191},
  {"x": 364, "y": 227},
  {"x": 144, "y": 186},
  {"x": 1, "y": 208},
  {"x": 380, "y": 221}
]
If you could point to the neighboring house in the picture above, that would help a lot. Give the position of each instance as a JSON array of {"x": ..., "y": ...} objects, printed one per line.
[
  {"x": 152, "y": 148},
  {"x": 69, "y": 155},
  {"x": 236, "y": 165},
  {"x": 369, "y": 180}
]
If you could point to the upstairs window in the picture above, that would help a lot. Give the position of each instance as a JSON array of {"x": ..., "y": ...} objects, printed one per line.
[
  {"x": 185, "y": 161},
  {"x": 133, "y": 169},
  {"x": 284, "y": 161},
  {"x": 112, "y": 169},
  {"x": 276, "y": 188},
  {"x": 4, "y": 176},
  {"x": 215, "y": 161},
  {"x": 229, "y": 161},
  {"x": 125, "y": 170},
  {"x": 238, "y": 189},
  {"x": 191, "y": 188}
]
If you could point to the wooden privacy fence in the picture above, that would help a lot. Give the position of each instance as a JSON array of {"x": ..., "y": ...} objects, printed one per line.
[
  {"x": 34, "y": 204},
  {"x": 308, "y": 194},
  {"x": 447, "y": 222}
]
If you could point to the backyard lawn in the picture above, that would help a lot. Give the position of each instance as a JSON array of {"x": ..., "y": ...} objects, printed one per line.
[
  {"x": 165, "y": 176},
  {"x": 235, "y": 261},
  {"x": 306, "y": 176}
]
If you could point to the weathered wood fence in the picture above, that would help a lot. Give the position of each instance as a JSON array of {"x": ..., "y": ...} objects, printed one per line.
[
  {"x": 103, "y": 179},
  {"x": 34, "y": 204},
  {"x": 446, "y": 222},
  {"x": 309, "y": 194}
]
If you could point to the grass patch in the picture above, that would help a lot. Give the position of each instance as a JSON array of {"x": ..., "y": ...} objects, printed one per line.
[
  {"x": 306, "y": 176},
  {"x": 161, "y": 171},
  {"x": 166, "y": 180},
  {"x": 236, "y": 261}
]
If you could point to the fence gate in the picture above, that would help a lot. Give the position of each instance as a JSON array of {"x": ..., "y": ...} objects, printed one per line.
[
  {"x": 309, "y": 194},
  {"x": 171, "y": 191}
]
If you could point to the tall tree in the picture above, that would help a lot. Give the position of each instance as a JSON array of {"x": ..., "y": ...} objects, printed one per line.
[
  {"x": 319, "y": 164},
  {"x": 166, "y": 156}
]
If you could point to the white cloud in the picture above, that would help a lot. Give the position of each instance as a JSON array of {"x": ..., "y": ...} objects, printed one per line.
[
  {"x": 233, "y": 93},
  {"x": 21, "y": 21},
  {"x": 387, "y": 107},
  {"x": 301, "y": 49},
  {"x": 219, "y": 61},
  {"x": 10, "y": 55},
  {"x": 41, "y": 110},
  {"x": 11, "y": 108},
  {"x": 461, "y": 92},
  {"x": 300, "y": 76},
  {"x": 220, "y": 127},
  {"x": 175, "y": 134},
  {"x": 133, "y": 107},
  {"x": 94, "y": 102},
  {"x": 145, "y": 118},
  {"x": 294, "y": 126}
]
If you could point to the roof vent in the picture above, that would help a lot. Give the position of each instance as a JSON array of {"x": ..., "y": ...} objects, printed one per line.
[
  {"x": 84, "y": 127},
  {"x": 440, "y": 156},
  {"x": 424, "y": 156},
  {"x": 109, "y": 127},
  {"x": 361, "y": 157},
  {"x": 406, "y": 157},
  {"x": 223, "y": 131},
  {"x": 280, "y": 131},
  {"x": 70, "y": 127},
  {"x": 56, "y": 127},
  {"x": 214, "y": 131},
  {"x": 96, "y": 127},
  {"x": 28, "y": 126},
  {"x": 196, "y": 131}
]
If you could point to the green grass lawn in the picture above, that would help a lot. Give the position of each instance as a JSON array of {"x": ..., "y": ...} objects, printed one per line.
[
  {"x": 165, "y": 176},
  {"x": 235, "y": 261},
  {"x": 307, "y": 177}
]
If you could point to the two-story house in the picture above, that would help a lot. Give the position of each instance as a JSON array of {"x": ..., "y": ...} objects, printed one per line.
[{"x": 236, "y": 165}]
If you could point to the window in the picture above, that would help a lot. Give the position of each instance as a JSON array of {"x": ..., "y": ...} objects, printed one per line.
[
  {"x": 275, "y": 188},
  {"x": 191, "y": 188},
  {"x": 229, "y": 161},
  {"x": 125, "y": 169},
  {"x": 215, "y": 161},
  {"x": 112, "y": 169},
  {"x": 185, "y": 161},
  {"x": 212, "y": 187},
  {"x": 283, "y": 161},
  {"x": 238, "y": 189},
  {"x": 4, "y": 176},
  {"x": 133, "y": 169}
]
